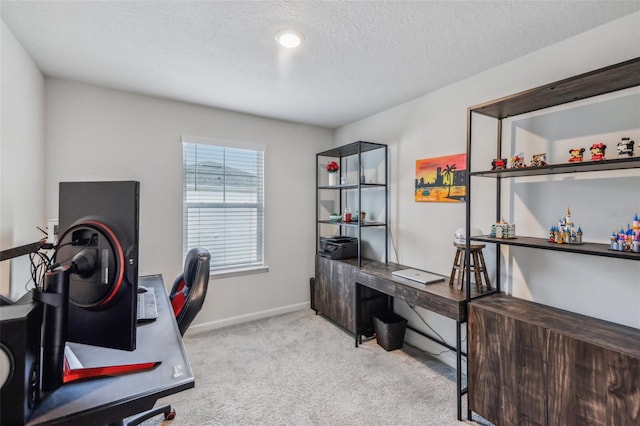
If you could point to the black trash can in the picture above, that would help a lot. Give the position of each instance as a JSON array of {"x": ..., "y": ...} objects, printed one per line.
[{"x": 389, "y": 328}]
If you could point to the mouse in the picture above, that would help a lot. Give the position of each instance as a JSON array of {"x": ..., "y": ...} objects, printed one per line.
[{"x": 142, "y": 289}]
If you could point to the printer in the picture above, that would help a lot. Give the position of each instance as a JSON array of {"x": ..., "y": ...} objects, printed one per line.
[{"x": 338, "y": 247}]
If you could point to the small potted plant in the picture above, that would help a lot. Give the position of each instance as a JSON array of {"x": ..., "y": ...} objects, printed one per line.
[{"x": 332, "y": 168}]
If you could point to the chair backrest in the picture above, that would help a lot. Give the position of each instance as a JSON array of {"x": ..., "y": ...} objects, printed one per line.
[{"x": 190, "y": 288}]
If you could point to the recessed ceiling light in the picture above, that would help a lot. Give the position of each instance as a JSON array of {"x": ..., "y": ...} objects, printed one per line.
[{"x": 289, "y": 38}]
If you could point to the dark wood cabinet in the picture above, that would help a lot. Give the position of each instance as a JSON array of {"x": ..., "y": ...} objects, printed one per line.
[
  {"x": 592, "y": 384},
  {"x": 531, "y": 364},
  {"x": 505, "y": 365},
  {"x": 335, "y": 291}
]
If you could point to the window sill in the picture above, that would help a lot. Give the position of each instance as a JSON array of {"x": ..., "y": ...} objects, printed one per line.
[{"x": 228, "y": 273}]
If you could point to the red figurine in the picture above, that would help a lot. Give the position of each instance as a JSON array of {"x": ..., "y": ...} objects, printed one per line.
[
  {"x": 499, "y": 164},
  {"x": 517, "y": 162},
  {"x": 576, "y": 155},
  {"x": 597, "y": 151}
]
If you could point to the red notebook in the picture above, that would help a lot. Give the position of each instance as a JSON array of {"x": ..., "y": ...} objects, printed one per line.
[{"x": 73, "y": 369}]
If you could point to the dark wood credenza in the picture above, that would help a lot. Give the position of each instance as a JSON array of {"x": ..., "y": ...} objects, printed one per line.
[{"x": 537, "y": 365}]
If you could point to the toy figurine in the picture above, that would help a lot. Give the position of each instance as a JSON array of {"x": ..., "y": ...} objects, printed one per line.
[
  {"x": 613, "y": 241},
  {"x": 565, "y": 232},
  {"x": 625, "y": 148},
  {"x": 503, "y": 229},
  {"x": 561, "y": 237},
  {"x": 628, "y": 242},
  {"x": 499, "y": 164},
  {"x": 539, "y": 160},
  {"x": 576, "y": 155},
  {"x": 517, "y": 162},
  {"x": 597, "y": 151}
]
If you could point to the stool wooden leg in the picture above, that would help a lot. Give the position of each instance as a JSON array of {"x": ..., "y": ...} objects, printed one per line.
[
  {"x": 476, "y": 266},
  {"x": 484, "y": 271},
  {"x": 456, "y": 267}
]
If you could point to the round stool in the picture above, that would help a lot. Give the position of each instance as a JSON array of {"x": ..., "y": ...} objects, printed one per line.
[{"x": 477, "y": 266}]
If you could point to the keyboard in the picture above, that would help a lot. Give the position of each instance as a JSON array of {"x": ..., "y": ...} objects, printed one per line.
[{"x": 147, "y": 309}]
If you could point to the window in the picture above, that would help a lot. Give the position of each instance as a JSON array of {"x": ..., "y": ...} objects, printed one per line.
[{"x": 224, "y": 203}]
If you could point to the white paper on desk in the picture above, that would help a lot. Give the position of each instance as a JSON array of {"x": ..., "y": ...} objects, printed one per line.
[{"x": 71, "y": 358}]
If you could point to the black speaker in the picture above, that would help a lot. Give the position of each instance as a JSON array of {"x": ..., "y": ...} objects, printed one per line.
[{"x": 20, "y": 333}]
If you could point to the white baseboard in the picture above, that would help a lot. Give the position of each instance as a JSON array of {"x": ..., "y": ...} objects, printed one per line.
[{"x": 226, "y": 322}]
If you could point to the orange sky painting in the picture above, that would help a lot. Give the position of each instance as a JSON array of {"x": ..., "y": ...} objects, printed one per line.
[{"x": 427, "y": 167}]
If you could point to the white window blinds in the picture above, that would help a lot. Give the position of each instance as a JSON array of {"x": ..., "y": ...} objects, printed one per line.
[{"x": 224, "y": 204}]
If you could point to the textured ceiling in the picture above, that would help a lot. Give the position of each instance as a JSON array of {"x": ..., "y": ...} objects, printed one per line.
[{"x": 358, "y": 58}]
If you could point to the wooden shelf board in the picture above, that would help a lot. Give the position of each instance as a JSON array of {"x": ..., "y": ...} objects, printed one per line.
[
  {"x": 594, "y": 249},
  {"x": 604, "y": 80},
  {"x": 586, "y": 166},
  {"x": 595, "y": 331}
]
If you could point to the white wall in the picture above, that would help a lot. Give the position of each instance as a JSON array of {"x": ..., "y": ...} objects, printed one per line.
[
  {"x": 21, "y": 159},
  {"x": 435, "y": 125},
  {"x": 94, "y": 133}
]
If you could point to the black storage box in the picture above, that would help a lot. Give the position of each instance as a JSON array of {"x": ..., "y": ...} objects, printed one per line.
[
  {"x": 389, "y": 328},
  {"x": 312, "y": 293},
  {"x": 339, "y": 247}
]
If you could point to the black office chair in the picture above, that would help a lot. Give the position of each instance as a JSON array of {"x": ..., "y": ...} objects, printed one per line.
[{"x": 187, "y": 297}]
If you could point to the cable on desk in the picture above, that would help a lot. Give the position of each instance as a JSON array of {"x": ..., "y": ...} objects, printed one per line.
[
  {"x": 413, "y": 308},
  {"x": 39, "y": 262},
  {"x": 393, "y": 246}
]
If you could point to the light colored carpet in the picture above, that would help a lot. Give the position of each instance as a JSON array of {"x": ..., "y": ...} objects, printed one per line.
[{"x": 301, "y": 369}]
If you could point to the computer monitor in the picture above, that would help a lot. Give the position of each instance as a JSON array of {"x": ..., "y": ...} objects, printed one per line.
[{"x": 99, "y": 223}]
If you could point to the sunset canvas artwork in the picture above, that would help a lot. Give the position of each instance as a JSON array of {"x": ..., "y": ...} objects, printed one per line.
[{"x": 441, "y": 179}]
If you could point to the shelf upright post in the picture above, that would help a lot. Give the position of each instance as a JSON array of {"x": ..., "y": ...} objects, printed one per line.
[
  {"x": 360, "y": 176},
  {"x": 498, "y": 200},
  {"x": 467, "y": 249},
  {"x": 340, "y": 194},
  {"x": 317, "y": 203},
  {"x": 467, "y": 277},
  {"x": 386, "y": 197}
]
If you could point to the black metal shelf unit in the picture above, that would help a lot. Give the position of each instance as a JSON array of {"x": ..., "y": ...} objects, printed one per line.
[
  {"x": 353, "y": 153},
  {"x": 598, "y": 82}
]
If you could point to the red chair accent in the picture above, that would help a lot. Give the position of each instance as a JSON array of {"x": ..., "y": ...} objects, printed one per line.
[{"x": 190, "y": 288}]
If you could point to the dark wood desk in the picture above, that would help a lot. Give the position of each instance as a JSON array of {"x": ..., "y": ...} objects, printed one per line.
[
  {"x": 437, "y": 297},
  {"x": 109, "y": 400}
]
